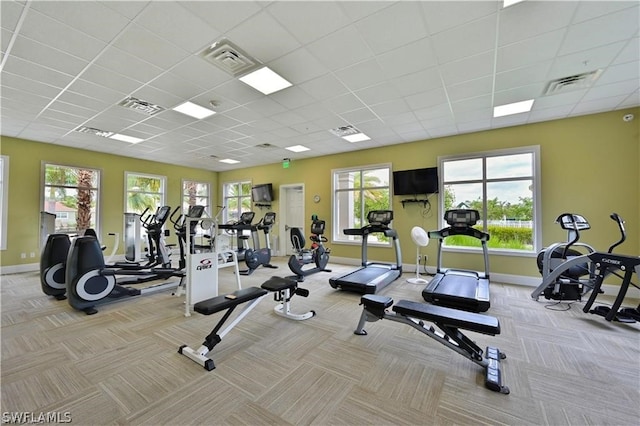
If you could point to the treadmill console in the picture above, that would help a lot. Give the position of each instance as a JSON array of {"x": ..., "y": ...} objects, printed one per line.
[
  {"x": 380, "y": 217},
  {"x": 462, "y": 218}
]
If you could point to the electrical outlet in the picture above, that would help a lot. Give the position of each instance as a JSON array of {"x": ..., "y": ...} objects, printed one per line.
[
  {"x": 32, "y": 254},
  {"x": 23, "y": 255}
]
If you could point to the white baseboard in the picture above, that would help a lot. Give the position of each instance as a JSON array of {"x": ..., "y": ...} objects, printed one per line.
[{"x": 17, "y": 269}]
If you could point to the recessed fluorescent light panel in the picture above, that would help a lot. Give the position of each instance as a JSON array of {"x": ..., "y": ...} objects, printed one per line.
[
  {"x": 507, "y": 3},
  {"x": 514, "y": 108},
  {"x": 125, "y": 138},
  {"x": 297, "y": 148},
  {"x": 193, "y": 110},
  {"x": 265, "y": 80},
  {"x": 358, "y": 137},
  {"x": 229, "y": 161}
]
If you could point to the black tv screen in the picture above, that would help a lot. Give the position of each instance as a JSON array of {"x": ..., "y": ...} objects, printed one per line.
[
  {"x": 262, "y": 193},
  {"x": 416, "y": 181}
]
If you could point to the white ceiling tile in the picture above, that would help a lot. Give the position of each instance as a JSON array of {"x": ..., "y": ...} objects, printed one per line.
[
  {"x": 143, "y": 44},
  {"x": 580, "y": 62},
  {"x": 427, "y": 99},
  {"x": 47, "y": 57},
  {"x": 10, "y": 12},
  {"x": 360, "y": 75},
  {"x": 298, "y": 66},
  {"x": 408, "y": 59},
  {"x": 34, "y": 71},
  {"x": 470, "y": 89},
  {"x": 368, "y": 63},
  {"x": 380, "y": 93},
  {"x": 443, "y": 15},
  {"x": 469, "y": 68},
  {"x": 620, "y": 72},
  {"x": 258, "y": 35},
  {"x": 324, "y": 87},
  {"x": 461, "y": 42},
  {"x": 57, "y": 35},
  {"x": 631, "y": 52},
  {"x": 128, "y": 65},
  {"x": 420, "y": 81},
  {"x": 393, "y": 27},
  {"x": 327, "y": 17},
  {"x": 340, "y": 49},
  {"x": 178, "y": 25},
  {"x": 614, "y": 89},
  {"x": 523, "y": 76},
  {"x": 601, "y": 31},
  {"x": 77, "y": 14},
  {"x": 531, "y": 18},
  {"x": 293, "y": 98},
  {"x": 529, "y": 51}
]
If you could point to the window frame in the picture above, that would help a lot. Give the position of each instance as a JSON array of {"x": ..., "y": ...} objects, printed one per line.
[
  {"x": 97, "y": 188},
  {"x": 338, "y": 236},
  {"x": 536, "y": 194},
  {"x": 4, "y": 200},
  {"x": 225, "y": 198},
  {"x": 163, "y": 189}
]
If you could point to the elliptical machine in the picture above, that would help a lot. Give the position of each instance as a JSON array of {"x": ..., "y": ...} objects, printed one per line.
[
  {"x": 576, "y": 281},
  {"x": 317, "y": 254},
  {"x": 260, "y": 256}
]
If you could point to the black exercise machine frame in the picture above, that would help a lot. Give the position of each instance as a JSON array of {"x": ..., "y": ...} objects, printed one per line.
[
  {"x": 450, "y": 321},
  {"x": 283, "y": 290}
]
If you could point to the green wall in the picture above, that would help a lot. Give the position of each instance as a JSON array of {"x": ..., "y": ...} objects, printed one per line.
[
  {"x": 589, "y": 165},
  {"x": 25, "y": 168}
]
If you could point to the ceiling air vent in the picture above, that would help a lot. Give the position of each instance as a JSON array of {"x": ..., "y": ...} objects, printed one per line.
[
  {"x": 141, "y": 106},
  {"x": 574, "y": 82},
  {"x": 344, "y": 131},
  {"x": 94, "y": 131},
  {"x": 229, "y": 58},
  {"x": 266, "y": 146}
]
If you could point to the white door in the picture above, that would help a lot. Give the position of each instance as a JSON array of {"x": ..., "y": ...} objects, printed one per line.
[{"x": 291, "y": 215}]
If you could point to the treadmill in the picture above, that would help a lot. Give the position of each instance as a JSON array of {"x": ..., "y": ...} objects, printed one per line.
[
  {"x": 372, "y": 277},
  {"x": 459, "y": 288}
]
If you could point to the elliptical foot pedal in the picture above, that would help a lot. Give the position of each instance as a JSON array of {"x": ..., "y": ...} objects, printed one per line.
[
  {"x": 604, "y": 311},
  {"x": 493, "y": 378}
]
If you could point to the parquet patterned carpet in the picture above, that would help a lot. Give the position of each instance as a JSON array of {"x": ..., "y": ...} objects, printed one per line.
[{"x": 121, "y": 366}]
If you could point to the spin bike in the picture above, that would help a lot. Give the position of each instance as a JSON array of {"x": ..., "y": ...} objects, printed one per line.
[{"x": 317, "y": 254}]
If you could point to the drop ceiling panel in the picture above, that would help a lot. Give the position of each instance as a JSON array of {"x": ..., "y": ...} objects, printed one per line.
[
  {"x": 393, "y": 27},
  {"x": 444, "y": 15},
  {"x": 400, "y": 71},
  {"x": 327, "y": 18}
]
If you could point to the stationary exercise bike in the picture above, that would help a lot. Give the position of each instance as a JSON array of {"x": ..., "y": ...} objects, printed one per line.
[
  {"x": 260, "y": 256},
  {"x": 317, "y": 254}
]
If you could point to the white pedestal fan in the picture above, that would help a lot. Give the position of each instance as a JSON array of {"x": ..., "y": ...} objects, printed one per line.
[{"x": 421, "y": 239}]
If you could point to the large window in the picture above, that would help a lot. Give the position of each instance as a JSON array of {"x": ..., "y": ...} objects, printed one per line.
[
  {"x": 196, "y": 193},
  {"x": 71, "y": 193},
  {"x": 356, "y": 192},
  {"x": 4, "y": 192},
  {"x": 503, "y": 186},
  {"x": 144, "y": 192},
  {"x": 237, "y": 199}
]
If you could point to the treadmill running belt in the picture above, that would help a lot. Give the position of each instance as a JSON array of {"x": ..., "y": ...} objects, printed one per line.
[{"x": 366, "y": 280}]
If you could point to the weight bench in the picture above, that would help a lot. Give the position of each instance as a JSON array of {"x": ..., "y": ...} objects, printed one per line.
[
  {"x": 283, "y": 288},
  {"x": 450, "y": 321}
]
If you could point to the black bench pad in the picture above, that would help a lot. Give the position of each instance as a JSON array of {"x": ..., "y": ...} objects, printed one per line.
[
  {"x": 447, "y": 316},
  {"x": 376, "y": 301},
  {"x": 218, "y": 303},
  {"x": 279, "y": 283}
]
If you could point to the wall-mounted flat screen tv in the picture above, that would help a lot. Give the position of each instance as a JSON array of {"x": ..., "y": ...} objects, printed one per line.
[
  {"x": 416, "y": 181},
  {"x": 262, "y": 193}
]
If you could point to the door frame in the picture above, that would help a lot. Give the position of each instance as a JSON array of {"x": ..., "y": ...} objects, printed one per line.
[{"x": 283, "y": 207}]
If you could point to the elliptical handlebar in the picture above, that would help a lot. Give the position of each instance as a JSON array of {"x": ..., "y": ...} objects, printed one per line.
[{"x": 623, "y": 234}]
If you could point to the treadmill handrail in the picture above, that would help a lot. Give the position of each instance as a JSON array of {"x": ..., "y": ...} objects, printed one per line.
[{"x": 471, "y": 232}]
